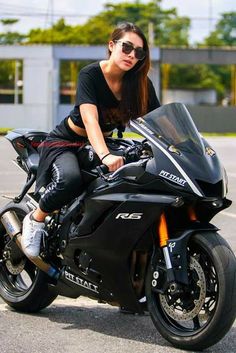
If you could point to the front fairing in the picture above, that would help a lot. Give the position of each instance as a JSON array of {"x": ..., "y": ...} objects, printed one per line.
[{"x": 181, "y": 156}]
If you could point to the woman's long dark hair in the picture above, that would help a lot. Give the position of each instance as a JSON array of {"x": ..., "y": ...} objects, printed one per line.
[{"x": 134, "y": 95}]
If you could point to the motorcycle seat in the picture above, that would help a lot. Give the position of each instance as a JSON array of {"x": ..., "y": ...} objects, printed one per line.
[{"x": 26, "y": 142}]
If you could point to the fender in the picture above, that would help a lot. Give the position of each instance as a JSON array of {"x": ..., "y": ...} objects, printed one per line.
[{"x": 178, "y": 249}]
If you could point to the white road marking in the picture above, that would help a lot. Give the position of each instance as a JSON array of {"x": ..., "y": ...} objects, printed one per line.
[
  {"x": 4, "y": 307},
  {"x": 78, "y": 302},
  {"x": 10, "y": 172},
  {"x": 229, "y": 214}
]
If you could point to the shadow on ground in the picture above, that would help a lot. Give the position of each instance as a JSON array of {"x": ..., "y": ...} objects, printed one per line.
[{"x": 108, "y": 321}]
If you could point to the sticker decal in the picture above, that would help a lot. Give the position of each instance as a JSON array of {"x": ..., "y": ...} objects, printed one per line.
[
  {"x": 172, "y": 177},
  {"x": 81, "y": 282},
  {"x": 129, "y": 215},
  {"x": 90, "y": 156},
  {"x": 172, "y": 245},
  {"x": 210, "y": 151}
]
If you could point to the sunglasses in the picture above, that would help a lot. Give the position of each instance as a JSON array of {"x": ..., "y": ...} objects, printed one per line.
[{"x": 128, "y": 47}]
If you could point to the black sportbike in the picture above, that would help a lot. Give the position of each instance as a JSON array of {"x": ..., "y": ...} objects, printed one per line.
[{"x": 139, "y": 238}]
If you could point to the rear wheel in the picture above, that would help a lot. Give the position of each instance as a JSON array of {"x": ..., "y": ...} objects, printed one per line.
[
  {"x": 22, "y": 285},
  {"x": 202, "y": 313}
]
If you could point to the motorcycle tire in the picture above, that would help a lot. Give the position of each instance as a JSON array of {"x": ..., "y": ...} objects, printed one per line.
[
  {"x": 22, "y": 285},
  {"x": 204, "y": 312}
]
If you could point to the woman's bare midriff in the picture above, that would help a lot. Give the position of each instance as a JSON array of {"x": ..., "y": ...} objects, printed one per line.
[{"x": 82, "y": 132}]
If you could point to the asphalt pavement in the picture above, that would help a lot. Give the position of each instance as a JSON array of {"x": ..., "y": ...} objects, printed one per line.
[{"x": 82, "y": 325}]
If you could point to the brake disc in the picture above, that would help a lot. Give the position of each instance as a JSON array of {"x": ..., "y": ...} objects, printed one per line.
[
  {"x": 15, "y": 269},
  {"x": 176, "y": 310},
  {"x": 14, "y": 258}
]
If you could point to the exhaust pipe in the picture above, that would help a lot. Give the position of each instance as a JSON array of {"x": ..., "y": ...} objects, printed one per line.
[{"x": 13, "y": 226}]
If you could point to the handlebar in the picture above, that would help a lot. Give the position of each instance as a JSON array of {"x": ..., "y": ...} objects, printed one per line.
[
  {"x": 112, "y": 177},
  {"x": 133, "y": 156}
]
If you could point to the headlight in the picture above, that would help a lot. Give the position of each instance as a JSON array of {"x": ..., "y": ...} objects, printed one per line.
[{"x": 225, "y": 182}]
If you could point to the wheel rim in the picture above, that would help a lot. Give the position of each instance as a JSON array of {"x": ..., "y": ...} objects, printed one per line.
[
  {"x": 189, "y": 312},
  {"x": 174, "y": 307},
  {"x": 16, "y": 275}
]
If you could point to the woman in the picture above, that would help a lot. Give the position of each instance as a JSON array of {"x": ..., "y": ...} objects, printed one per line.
[{"x": 109, "y": 94}]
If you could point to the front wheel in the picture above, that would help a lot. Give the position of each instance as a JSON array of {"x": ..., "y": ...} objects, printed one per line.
[{"x": 202, "y": 313}]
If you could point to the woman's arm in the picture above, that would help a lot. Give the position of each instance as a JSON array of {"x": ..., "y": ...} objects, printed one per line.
[{"x": 89, "y": 116}]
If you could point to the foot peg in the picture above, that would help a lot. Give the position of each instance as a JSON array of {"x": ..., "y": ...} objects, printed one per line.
[{"x": 13, "y": 225}]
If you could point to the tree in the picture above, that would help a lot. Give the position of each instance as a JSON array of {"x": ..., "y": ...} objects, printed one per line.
[
  {"x": 9, "y": 21},
  {"x": 195, "y": 77},
  {"x": 10, "y": 37},
  {"x": 168, "y": 27},
  {"x": 225, "y": 32},
  {"x": 223, "y": 35},
  {"x": 209, "y": 76},
  {"x": 8, "y": 67},
  {"x": 57, "y": 34}
]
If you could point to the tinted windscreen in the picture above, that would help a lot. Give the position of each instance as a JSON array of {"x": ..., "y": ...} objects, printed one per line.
[{"x": 173, "y": 125}]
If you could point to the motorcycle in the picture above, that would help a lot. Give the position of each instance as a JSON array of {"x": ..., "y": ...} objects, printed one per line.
[{"x": 139, "y": 238}]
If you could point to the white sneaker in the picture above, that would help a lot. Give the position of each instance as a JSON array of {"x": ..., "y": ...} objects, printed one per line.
[{"x": 31, "y": 235}]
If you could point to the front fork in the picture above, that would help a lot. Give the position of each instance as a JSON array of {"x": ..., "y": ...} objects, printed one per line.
[
  {"x": 175, "y": 257},
  {"x": 163, "y": 239}
]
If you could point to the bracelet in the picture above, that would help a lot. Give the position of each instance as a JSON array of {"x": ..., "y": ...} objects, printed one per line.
[{"x": 105, "y": 156}]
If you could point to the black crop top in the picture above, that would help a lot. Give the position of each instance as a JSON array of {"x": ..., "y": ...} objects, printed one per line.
[{"x": 92, "y": 88}]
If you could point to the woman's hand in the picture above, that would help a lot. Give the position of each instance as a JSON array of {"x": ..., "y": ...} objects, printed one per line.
[
  {"x": 113, "y": 162},
  {"x": 90, "y": 119}
]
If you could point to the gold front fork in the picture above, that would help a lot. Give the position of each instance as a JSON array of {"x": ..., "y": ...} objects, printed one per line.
[{"x": 164, "y": 237}]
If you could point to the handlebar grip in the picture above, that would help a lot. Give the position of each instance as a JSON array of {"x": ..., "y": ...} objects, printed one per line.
[{"x": 102, "y": 169}]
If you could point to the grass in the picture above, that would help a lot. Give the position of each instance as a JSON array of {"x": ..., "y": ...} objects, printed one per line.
[
  {"x": 132, "y": 135},
  {"x": 4, "y": 130},
  {"x": 212, "y": 134},
  {"x": 205, "y": 134}
]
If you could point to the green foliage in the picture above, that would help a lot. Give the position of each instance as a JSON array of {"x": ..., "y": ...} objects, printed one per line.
[
  {"x": 5, "y": 130},
  {"x": 68, "y": 79},
  {"x": 196, "y": 77},
  {"x": 209, "y": 76},
  {"x": 7, "y": 69},
  {"x": 11, "y": 38},
  {"x": 225, "y": 32},
  {"x": 175, "y": 32},
  {"x": 168, "y": 27},
  {"x": 223, "y": 35},
  {"x": 60, "y": 33},
  {"x": 9, "y": 21}
]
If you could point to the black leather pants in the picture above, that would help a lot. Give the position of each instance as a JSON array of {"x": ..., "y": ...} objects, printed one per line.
[{"x": 66, "y": 183}]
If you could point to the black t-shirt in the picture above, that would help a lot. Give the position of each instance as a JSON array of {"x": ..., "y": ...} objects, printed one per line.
[{"x": 92, "y": 88}]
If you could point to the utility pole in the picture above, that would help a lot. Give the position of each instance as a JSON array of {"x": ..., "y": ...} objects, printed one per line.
[
  {"x": 52, "y": 18},
  {"x": 233, "y": 73},
  {"x": 233, "y": 84},
  {"x": 210, "y": 15},
  {"x": 151, "y": 35},
  {"x": 16, "y": 82}
]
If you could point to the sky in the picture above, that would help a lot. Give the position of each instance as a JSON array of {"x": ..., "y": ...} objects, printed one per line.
[{"x": 33, "y": 13}]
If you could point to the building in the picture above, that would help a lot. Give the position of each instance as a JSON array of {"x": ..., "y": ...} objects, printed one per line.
[{"x": 42, "y": 109}]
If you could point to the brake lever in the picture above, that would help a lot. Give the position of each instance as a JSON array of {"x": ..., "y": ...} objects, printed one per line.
[
  {"x": 102, "y": 169},
  {"x": 115, "y": 175}
]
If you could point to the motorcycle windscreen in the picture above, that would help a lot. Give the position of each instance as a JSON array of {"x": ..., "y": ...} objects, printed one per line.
[{"x": 173, "y": 125}]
